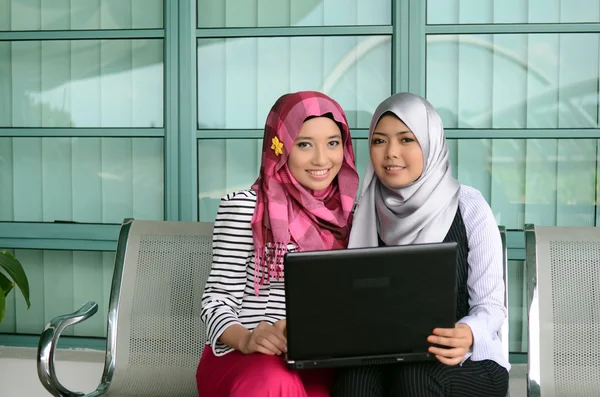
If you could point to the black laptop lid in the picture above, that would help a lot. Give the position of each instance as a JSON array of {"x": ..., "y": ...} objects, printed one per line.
[{"x": 368, "y": 301}]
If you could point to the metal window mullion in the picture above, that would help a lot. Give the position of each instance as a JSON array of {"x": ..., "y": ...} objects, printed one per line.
[
  {"x": 82, "y": 34},
  {"x": 43, "y": 132},
  {"x": 171, "y": 113},
  {"x": 188, "y": 161},
  {"x": 57, "y": 244},
  {"x": 400, "y": 46},
  {"x": 294, "y": 31},
  {"x": 516, "y": 133},
  {"x": 59, "y": 236},
  {"x": 59, "y": 230},
  {"x": 417, "y": 63},
  {"x": 519, "y": 28}
]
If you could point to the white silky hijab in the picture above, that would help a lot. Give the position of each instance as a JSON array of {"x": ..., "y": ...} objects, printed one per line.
[{"x": 423, "y": 211}]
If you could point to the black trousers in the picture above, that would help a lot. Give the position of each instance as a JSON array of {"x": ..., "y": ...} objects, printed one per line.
[{"x": 427, "y": 379}]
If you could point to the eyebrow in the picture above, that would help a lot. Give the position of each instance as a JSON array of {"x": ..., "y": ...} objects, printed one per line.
[
  {"x": 312, "y": 139},
  {"x": 396, "y": 133}
]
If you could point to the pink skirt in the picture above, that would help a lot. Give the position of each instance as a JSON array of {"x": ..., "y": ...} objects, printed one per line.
[{"x": 257, "y": 375}]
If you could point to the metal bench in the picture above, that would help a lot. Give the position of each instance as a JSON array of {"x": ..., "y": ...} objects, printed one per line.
[{"x": 155, "y": 336}]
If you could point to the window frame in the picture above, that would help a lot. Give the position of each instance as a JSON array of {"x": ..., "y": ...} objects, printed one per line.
[{"x": 180, "y": 132}]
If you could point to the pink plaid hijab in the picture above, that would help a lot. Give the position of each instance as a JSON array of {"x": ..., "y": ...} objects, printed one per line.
[{"x": 287, "y": 211}]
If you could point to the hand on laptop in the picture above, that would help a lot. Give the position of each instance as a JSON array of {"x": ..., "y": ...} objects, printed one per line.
[
  {"x": 265, "y": 338},
  {"x": 458, "y": 342}
]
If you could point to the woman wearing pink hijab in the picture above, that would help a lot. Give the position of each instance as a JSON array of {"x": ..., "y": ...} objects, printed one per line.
[{"x": 301, "y": 201}]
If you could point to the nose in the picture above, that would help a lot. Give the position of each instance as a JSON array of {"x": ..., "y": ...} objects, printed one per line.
[
  {"x": 320, "y": 157},
  {"x": 392, "y": 151}
]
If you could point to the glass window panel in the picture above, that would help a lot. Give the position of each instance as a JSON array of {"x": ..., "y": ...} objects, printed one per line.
[
  {"x": 80, "y": 14},
  {"x": 61, "y": 282},
  {"x": 547, "y": 182},
  {"x": 263, "y": 13},
  {"x": 515, "y": 80},
  {"x": 239, "y": 79},
  {"x": 512, "y": 11},
  {"x": 225, "y": 166},
  {"x": 97, "y": 180},
  {"x": 81, "y": 83}
]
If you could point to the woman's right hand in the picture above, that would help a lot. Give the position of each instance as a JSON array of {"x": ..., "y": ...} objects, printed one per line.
[{"x": 266, "y": 339}]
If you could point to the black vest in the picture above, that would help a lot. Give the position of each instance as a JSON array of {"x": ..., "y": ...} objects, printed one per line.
[{"x": 458, "y": 233}]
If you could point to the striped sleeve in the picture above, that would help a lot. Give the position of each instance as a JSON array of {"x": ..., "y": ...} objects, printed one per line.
[
  {"x": 485, "y": 282},
  {"x": 232, "y": 247}
]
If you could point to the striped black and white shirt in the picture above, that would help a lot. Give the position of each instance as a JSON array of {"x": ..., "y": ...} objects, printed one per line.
[{"x": 229, "y": 296}]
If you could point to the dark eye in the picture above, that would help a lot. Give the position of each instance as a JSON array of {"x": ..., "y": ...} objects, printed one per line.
[
  {"x": 378, "y": 141},
  {"x": 303, "y": 145},
  {"x": 407, "y": 140},
  {"x": 334, "y": 143}
]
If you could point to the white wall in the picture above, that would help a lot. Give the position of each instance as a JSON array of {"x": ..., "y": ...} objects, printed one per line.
[{"x": 77, "y": 370}]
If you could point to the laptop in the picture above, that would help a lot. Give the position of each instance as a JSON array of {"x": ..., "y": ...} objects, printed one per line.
[{"x": 367, "y": 306}]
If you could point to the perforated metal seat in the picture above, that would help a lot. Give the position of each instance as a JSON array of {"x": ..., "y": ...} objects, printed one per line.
[
  {"x": 155, "y": 335},
  {"x": 563, "y": 291}
]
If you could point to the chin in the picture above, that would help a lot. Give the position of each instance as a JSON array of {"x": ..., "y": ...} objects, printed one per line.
[
  {"x": 318, "y": 186},
  {"x": 394, "y": 184}
]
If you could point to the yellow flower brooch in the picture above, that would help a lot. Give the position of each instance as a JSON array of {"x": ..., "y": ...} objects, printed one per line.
[{"x": 277, "y": 146}]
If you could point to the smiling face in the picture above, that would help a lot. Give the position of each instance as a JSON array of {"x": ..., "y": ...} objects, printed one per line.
[
  {"x": 317, "y": 154},
  {"x": 395, "y": 153}
]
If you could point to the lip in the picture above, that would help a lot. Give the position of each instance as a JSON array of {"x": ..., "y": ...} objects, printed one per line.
[
  {"x": 319, "y": 177},
  {"x": 398, "y": 169}
]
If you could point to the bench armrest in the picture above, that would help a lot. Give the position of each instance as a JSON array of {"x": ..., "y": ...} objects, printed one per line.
[{"x": 47, "y": 347}]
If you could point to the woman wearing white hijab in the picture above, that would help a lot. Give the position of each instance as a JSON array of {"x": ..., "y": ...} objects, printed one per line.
[{"x": 409, "y": 196}]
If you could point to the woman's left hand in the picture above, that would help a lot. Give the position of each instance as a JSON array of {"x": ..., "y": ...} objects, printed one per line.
[{"x": 458, "y": 341}]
